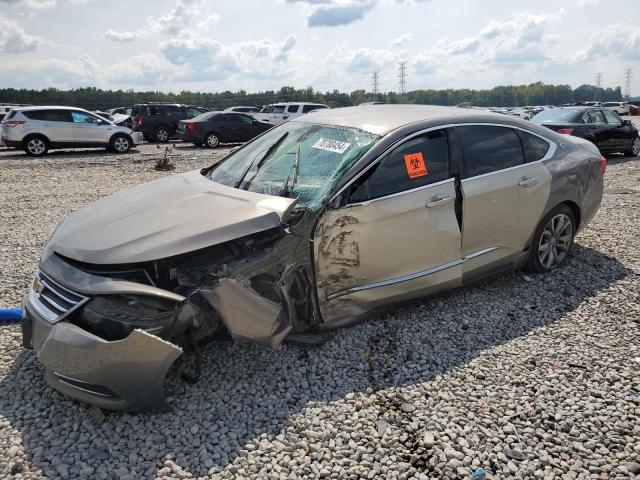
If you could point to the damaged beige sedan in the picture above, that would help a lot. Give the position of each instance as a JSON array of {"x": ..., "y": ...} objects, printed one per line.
[{"x": 319, "y": 222}]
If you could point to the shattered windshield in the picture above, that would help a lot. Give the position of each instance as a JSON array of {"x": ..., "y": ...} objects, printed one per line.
[{"x": 296, "y": 159}]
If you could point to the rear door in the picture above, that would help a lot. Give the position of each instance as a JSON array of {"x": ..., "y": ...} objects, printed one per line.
[
  {"x": 619, "y": 134},
  {"x": 292, "y": 111},
  {"x": 228, "y": 125},
  {"x": 503, "y": 196},
  {"x": 57, "y": 125},
  {"x": 397, "y": 238}
]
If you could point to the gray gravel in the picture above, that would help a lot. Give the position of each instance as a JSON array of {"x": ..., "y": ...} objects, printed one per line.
[{"x": 524, "y": 376}]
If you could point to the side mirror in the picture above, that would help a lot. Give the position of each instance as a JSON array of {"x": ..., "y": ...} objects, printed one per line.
[{"x": 626, "y": 122}]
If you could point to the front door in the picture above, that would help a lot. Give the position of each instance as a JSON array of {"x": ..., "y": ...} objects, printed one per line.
[
  {"x": 503, "y": 196},
  {"x": 397, "y": 238},
  {"x": 90, "y": 129},
  {"x": 619, "y": 133}
]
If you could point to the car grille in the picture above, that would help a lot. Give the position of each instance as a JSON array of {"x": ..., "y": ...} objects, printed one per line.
[{"x": 52, "y": 300}]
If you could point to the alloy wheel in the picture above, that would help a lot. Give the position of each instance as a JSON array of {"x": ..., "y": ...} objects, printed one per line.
[
  {"x": 635, "y": 147},
  {"x": 121, "y": 144},
  {"x": 212, "y": 141},
  {"x": 162, "y": 135},
  {"x": 36, "y": 146},
  {"x": 555, "y": 241}
]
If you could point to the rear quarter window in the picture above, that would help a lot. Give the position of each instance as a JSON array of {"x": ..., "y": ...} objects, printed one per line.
[{"x": 535, "y": 148}]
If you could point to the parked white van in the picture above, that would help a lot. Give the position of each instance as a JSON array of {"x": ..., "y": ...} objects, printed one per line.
[{"x": 281, "y": 112}]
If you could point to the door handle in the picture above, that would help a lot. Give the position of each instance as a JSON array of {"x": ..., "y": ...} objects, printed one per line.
[
  {"x": 438, "y": 201},
  {"x": 528, "y": 181}
]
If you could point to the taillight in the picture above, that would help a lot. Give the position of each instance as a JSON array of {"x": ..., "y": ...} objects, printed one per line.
[
  {"x": 12, "y": 123},
  {"x": 139, "y": 120},
  {"x": 603, "y": 164},
  {"x": 190, "y": 127},
  {"x": 565, "y": 131}
]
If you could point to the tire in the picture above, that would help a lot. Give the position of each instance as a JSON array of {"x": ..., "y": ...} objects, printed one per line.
[
  {"x": 120, "y": 144},
  {"x": 555, "y": 232},
  {"x": 634, "y": 150},
  {"x": 161, "y": 135},
  {"x": 212, "y": 141},
  {"x": 36, "y": 146}
]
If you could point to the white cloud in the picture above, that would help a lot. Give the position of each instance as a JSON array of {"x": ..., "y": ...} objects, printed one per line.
[
  {"x": 401, "y": 40},
  {"x": 144, "y": 69},
  {"x": 13, "y": 39},
  {"x": 53, "y": 72},
  {"x": 619, "y": 40},
  {"x": 180, "y": 20},
  {"x": 208, "y": 59},
  {"x": 333, "y": 13}
]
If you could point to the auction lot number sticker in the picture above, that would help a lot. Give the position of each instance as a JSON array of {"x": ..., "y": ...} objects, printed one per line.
[{"x": 331, "y": 145}]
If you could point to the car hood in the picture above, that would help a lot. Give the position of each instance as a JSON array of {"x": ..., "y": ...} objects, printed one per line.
[{"x": 164, "y": 218}]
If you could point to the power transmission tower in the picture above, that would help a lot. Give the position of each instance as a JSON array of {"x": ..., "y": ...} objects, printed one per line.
[
  {"x": 402, "y": 69},
  {"x": 599, "y": 77},
  {"x": 628, "y": 75},
  {"x": 375, "y": 83}
]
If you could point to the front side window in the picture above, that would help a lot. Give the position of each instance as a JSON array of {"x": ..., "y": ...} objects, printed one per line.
[
  {"x": 79, "y": 117},
  {"x": 593, "y": 116},
  {"x": 278, "y": 109},
  {"x": 294, "y": 159},
  {"x": 613, "y": 118},
  {"x": 420, "y": 161},
  {"x": 488, "y": 149}
]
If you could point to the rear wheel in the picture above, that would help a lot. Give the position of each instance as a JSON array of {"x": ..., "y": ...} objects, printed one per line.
[
  {"x": 552, "y": 240},
  {"x": 161, "y": 135},
  {"x": 212, "y": 141},
  {"x": 120, "y": 144},
  {"x": 36, "y": 146},
  {"x": 634, "y": 150}
]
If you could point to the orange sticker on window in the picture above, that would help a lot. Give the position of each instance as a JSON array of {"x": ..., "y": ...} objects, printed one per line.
[{"x": 415, "y": 165}]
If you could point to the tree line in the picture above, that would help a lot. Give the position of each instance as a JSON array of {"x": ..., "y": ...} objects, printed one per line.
[{"x": 93, "y": 98}]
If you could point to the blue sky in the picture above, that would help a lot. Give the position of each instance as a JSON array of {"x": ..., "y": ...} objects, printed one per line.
[{"x": 210, "y": 45}]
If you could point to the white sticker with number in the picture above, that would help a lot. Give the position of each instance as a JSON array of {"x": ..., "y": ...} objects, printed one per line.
[{"x": 331, "y": 145}]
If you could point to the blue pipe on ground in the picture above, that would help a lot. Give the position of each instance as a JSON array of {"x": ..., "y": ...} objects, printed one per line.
[{"x": 10, "y": 315}]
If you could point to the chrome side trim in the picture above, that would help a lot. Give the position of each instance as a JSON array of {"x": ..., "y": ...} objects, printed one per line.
[
  {"x": 552, "y": 147},
  {"x": 399, "y": 194},
  {"x": 411, "y": 276}
]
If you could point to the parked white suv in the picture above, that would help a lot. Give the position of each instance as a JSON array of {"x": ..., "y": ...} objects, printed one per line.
[
  {"x": 281, "y": 112},
  {"x": 621, "y": 107},
  {"x": 38, "y": 129}
]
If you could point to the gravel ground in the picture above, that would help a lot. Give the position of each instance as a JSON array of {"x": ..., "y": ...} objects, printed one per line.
[{"x": 524, "y": 376}]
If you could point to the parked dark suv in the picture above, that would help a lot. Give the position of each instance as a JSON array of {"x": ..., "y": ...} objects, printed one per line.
[{"x": 158, "y": 122}]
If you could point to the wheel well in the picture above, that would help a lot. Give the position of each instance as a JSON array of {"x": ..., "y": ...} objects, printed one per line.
[
  {"x": 34, "y": 135},
  {"x": 120, "y": 134},
  {"x": 575, "y": 209}
]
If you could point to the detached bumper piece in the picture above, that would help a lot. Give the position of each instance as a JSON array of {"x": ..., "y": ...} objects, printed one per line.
[{"x": 126, "y": 374}]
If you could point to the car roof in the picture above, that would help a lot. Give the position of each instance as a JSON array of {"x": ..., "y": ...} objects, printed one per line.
[
  {"x": 382, "y": 119},
  {"x": 47, "y": 107}
]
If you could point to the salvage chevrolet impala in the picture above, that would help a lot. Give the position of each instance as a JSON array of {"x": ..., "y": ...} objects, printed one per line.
[{"x": 317, "y": 223}]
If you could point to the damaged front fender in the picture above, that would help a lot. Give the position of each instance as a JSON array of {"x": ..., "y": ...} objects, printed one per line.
[{"x": 126, "y": 374}]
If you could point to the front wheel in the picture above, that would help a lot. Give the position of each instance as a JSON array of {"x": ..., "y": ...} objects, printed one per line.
[
  {"x": 120, "y": 144},
  {"x": 212, "y": 140},
  {"x": 634, "y": 150},
  {"x": 552, "y": 240}
]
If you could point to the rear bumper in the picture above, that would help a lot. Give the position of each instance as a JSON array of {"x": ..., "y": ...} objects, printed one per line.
[
  {"x": 11, "y": 143},
  {"x": 126, "y": 374}
]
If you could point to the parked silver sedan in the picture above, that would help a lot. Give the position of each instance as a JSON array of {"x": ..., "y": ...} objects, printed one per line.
[{"x": 317, "y": 223}]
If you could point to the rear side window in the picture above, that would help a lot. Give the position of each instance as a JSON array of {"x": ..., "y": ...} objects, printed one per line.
[
  {"x": 593, "y": 116},
  {"x": 488, "y": 149},
  {"x": 417, "y": 162},
  {"x": 49, "y": 115},
  {"x": 535, "y": 148},
  {"x": 308, "y": 108},
  {"x": 10, "y": 114},
  {"x": 292, "y": 108}
]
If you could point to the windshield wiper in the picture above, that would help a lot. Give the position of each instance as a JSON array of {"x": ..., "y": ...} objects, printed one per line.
[
  {"x": 295, "y": 170},
  {"x": 269, "y": 151}
]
